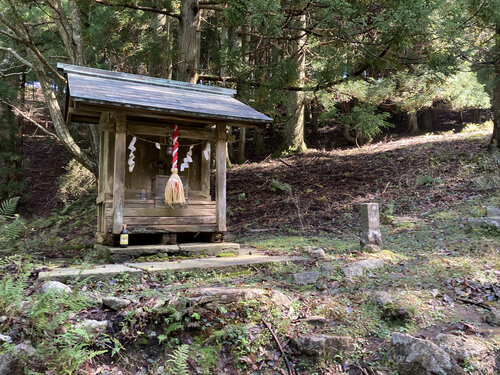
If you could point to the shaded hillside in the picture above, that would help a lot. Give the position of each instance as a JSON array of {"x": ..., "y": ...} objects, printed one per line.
[{"x": 320, "y": 190}]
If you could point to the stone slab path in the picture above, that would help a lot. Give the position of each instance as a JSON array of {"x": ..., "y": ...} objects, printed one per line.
[
  {"x": 122, "y": 255},
  {"x": 108, "y": 271}
]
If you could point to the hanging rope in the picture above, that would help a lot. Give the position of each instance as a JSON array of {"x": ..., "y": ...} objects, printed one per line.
[
  {"x": 163, "y": 143},
  {"x": 174, "y": 191}
]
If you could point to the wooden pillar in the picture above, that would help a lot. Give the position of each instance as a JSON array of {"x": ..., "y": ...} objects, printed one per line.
[
  {"x": 221, "y": 177},
  {"x": 205, "y": 172},
  {"x": 105, "y": 182},
  {"x": 119, "y": 172}
]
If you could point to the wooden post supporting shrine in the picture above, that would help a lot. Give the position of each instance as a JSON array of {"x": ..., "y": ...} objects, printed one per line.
[
  {"x": 119, "y": 172},
  {"x": 220, "y": 195}
]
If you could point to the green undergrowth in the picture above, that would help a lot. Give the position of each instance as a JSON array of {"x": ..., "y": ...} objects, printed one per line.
[
  {"x": 67, "y": 231},
  {"x": 429, "y": 251},
  {"x": 295, "y": 244}
]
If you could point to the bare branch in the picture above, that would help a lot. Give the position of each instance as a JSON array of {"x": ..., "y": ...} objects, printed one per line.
[
  {"x": 210, "y": 7},
  {"x": 10, "y": 35},
  {"x": 2, "y": 74},
  {"x": 27, "y": 117},
  {"x": 17, "y": 56},
  {"x": 138, "y": 7}
]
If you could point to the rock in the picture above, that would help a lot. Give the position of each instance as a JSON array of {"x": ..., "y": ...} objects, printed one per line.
[
  {"x": 316, "y": 321},
  {"x": 381, "y": 299},
  {"x": 279, "y": 298},
  {"x": 306, "y": 277},
  {"x": 25, "y": 348},
  {"x": 462, "y": 349},
  {"x": 3, "y": 319},
  {"x": 323, "y": 345},
  {"x": 390, "y": 310},
  {"x": 493, "y": 318},
  {"x": 94, "y": 326},
  {"x": 55, "y": 286},
  {"x": 5, "y": 338},
  {"x": 10, "y": 363},
  {"x": 317, "y": 253},
  {"x": 326, "y": 270},
  {"x": 416, "y": 356},
  {"x": 492, "y": 211},
  {"x": 485, "y": 222},
  {"x": 211, "y": 297},
  {"x": 371, "y": 248},
  {"x": 360, "y": 267},
  {"x": 151, "y": 334},
  {"x": 115, "y": 303}
]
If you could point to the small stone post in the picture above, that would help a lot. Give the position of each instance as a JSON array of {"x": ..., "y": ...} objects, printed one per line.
[{"x": 370, "y": 225}]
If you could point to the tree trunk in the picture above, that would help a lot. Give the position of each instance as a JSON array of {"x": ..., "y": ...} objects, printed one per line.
[
  {"x": 495, "y": 138},
  {"x": 189, "y": 42},
  {"x": 294, "y": 127},
  {"x": 241, "y": 145},
  {"x": 22, "y": 103},
  {"x": 57, "y": 117},
  {"x": 413, "y": 123},
  {"x": 427, "y": 117},
  {"x": 160, "y": 62},
  {"x": 476, "y": 115},
  {"x": 347, "y": 135},
  {"x": 313, "y": 109},
  {"x": 258, "y": 141}
]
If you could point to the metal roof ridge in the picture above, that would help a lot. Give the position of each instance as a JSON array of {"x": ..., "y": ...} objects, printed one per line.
[{"x": 145, "y": 80}]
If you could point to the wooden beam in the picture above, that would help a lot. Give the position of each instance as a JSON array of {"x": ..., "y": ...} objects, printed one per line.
[
  {"x": 180, "y": 118},
  {"x": 135, "y": 127},
  {"x": 190, "y": 210},
  {"x": 220, "y": 192},
  {"x": 119, "y": 172}
]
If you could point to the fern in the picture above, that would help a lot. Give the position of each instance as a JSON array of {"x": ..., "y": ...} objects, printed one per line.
[
  {"x": 8, "y": 207},
  {"x": 10, "y": 231},
  {"x": 178, "y": 361},
  {"x": 12, "y": 293}
]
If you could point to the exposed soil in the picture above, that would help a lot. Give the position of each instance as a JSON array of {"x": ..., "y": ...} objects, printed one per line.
[
  {"x": 310, "y": 192},
  {"x": 43, "y": 162}
]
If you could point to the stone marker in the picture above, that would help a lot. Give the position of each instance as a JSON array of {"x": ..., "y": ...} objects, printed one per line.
[{"x": 370, "y": 225}]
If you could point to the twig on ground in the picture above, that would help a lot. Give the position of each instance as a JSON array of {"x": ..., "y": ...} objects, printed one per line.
[
  {"x": 284, "y": 162},
  {"x": 386, "y": 186},
  {"x": 288, "y": 365}
]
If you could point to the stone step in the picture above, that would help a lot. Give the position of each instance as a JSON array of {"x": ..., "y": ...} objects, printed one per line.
[
  {"x": 109, "y": 271},
  {"x": 126, "y": 254}
]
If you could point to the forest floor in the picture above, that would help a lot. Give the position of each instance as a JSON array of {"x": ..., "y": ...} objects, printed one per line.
[{"x": 440, "y": 274}]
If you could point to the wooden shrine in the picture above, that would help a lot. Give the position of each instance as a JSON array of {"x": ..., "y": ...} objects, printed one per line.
[{"x": 135, "y": 116}]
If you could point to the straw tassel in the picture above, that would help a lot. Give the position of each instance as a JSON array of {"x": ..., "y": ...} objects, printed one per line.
[{"x": 174, "y": 191}]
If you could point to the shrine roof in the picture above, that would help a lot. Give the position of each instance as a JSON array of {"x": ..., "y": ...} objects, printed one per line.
[{"x": 103, "y": 88}]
